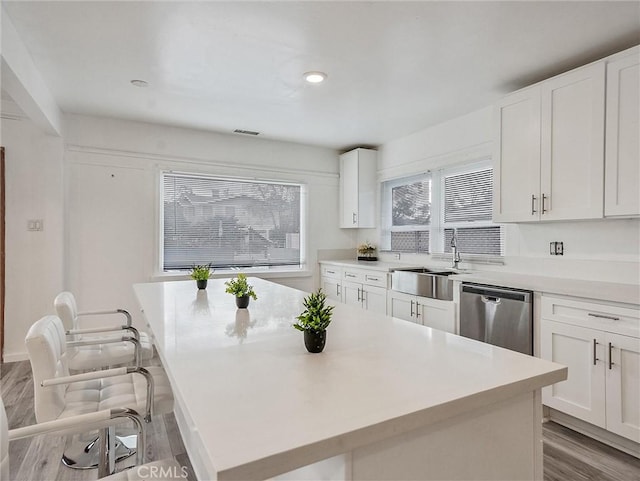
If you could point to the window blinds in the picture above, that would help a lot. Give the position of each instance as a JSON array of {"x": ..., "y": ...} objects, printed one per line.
[{"x": 229, "y": 222}]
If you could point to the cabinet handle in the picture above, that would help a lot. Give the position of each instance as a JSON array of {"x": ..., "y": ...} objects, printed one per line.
[
  {"x": 544, "y": 197},
  {"x": 349, "y": 275},
  {"x": 369, "y": 278},
  {"x": 595, "y": 343},
  {"x": 533, "y": 204},
  {"x": 363, "y": 298},
  {"x": 330, "y": 272},
  {"x": 337, "y": 289},
  {"x": 359, "y": 298},
  {"x": 610, "y": 360},
  {"x": 411, "y": 315},
  {"x": 602, "y": 316},
  {"x": 354, "y": 218},
  {"x": 417, "y": 309}
]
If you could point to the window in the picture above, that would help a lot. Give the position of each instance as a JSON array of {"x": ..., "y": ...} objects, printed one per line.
[
  {"x": 422, "y": 213},
  {"x": 230, "y": 222},
  {"x": 408, "y": 217}
]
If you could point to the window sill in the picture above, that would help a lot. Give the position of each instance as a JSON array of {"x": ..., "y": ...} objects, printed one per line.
[{"x": 225, "y": 273}]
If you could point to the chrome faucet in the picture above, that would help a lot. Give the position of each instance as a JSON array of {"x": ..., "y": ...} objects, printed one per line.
[{"x": 454, "y": 250}]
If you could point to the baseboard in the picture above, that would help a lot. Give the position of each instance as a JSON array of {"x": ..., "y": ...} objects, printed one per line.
[
  {"x": 15, "y": 357},
  {"x": 595, "y": 432}
]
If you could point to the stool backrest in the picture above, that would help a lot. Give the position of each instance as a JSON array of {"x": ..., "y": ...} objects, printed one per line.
[
  {"x": 46, "y": 344},
  {"x": 67, "y": 309}
]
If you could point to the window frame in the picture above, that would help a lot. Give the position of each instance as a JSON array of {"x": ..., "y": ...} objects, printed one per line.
[
  {"x": 279, "y": 269},
  {"x": 437, "y": 225}
]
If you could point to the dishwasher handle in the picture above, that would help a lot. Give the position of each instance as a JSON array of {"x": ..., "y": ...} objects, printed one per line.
[{"x": 496, "y": 293}]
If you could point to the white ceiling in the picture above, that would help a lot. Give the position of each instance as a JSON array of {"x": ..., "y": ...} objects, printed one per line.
[{"x": 394, "y": 67}]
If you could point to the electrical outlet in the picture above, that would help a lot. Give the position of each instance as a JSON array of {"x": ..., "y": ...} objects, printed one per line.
[
  {"x": 556, "y": 248},
  {"x": 397, "y": 256}
]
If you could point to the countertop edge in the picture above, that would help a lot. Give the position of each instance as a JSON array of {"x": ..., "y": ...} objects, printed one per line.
[{"x": 272, "y": 465}]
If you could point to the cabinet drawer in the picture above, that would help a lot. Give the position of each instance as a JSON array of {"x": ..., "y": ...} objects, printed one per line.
[
  {"x": 367, "y": 277},
  {"x": 604, "y": 317},
  {"x": 353, "y": 275},
  {"x": 332, "y": 272},
  {"x": 378, "y": 279}
]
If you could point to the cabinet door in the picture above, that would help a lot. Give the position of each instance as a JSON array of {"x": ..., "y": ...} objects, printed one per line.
[
  {"x": 375, "y": 299},
  {"x": 622, "y": 168},
  {"x": 623, "y": 386},
  {"x": 437, "y": 314},
  {"x": 367, "y": 188},
  {"x": 349, "y": 189},
  {"x": 402, "y": 306},
  {"x": 572, "y": 144},
  {"x": 352, "y": 293},
  {"x": 582, "y": 350},
  {"x": 331, "y": 288},
  {"x": 516, "y": 168}
]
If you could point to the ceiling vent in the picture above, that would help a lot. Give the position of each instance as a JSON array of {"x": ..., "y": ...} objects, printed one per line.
[{"x": 246, "y": 132}]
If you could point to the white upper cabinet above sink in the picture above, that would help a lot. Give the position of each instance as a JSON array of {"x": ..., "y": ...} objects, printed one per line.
[{"x": 358, "y": 170}]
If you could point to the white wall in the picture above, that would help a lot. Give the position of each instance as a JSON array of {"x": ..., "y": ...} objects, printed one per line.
[
  {"x": 34, "y": 262},
  {"x": 112, "y": 169},
  {"x": 606, "y": 250}
]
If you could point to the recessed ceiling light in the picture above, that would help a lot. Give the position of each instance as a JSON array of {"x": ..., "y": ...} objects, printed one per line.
[
  {"x": 314, "y": 77},
  {"x": 140, "y": 83}
]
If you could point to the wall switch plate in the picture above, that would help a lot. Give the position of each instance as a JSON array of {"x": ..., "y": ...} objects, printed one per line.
[{"x": 35, "y": 225}]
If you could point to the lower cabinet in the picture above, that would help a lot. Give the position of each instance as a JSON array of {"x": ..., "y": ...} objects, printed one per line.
[
  {"x": 603, "y": 384},
  {"x": 371, "y": 298},
  {"x": 422, "y": 310},
  {"x": 332, "y": 288}
]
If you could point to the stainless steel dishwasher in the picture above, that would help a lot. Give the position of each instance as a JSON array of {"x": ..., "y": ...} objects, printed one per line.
[{"x": 497, "y": 315}]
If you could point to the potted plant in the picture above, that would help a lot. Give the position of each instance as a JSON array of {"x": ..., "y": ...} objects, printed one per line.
[
  {"x": 201, "y": 273},
  {"x": 314, "y": 321},
  {"x": 240, "y": 288},
  {"x": 366, "y": 252}
]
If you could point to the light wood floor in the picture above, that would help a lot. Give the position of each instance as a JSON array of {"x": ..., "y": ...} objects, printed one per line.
[{"x": 568, "y": 456}]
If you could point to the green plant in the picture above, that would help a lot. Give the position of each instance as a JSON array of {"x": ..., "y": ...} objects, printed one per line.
[
  {"x": 201, "y": 272},
  {"x": 239, "y": 287},
  {"x": 317, "y": 315}
]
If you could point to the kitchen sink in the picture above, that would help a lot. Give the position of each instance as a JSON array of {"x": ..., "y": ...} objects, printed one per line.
[{"x": 424, "y": 282}]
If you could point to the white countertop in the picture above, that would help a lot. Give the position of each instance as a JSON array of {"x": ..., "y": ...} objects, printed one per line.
[
  {"x": 607, "y": 291},
  {"x": 262, "y": 405},
  {"x": 596, "y": 290},
  {"x": 371, "y": 265}
]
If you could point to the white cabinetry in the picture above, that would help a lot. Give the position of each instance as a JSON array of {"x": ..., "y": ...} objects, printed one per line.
[
  {"x": 433, "y": 313},
  {"x": 358, "y": 170},
  {"x": 600, "y": 344},
  {"x": 330, "y": 281},
  {"x": 549, "y": 162},
  {"x": 366, "y": 289},
  {"x": 622, "y": 154}
]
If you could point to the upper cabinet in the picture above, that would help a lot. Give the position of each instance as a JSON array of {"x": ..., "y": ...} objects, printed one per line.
[
  {"x": 549, "y": 159},
  {"x": 358, "y": 188},
  {"x": 622, "y": 155},
  {"x": 555, "y": 140}
]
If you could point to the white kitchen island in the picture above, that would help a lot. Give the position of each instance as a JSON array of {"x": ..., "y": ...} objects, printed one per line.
[{"x": 386, "y": 399}]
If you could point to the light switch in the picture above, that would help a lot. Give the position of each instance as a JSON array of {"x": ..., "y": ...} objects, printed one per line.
[{"x": 35, "y": 225}]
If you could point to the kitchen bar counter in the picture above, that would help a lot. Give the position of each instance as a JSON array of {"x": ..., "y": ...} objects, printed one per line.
[{"x": 387, "y": 399}]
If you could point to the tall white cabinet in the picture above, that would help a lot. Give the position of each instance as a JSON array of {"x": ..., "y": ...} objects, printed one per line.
[
  {"x": 358, "y": 170},
  {"x": 622, "y": 137},
  {"x": 550, "y": 149}
]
